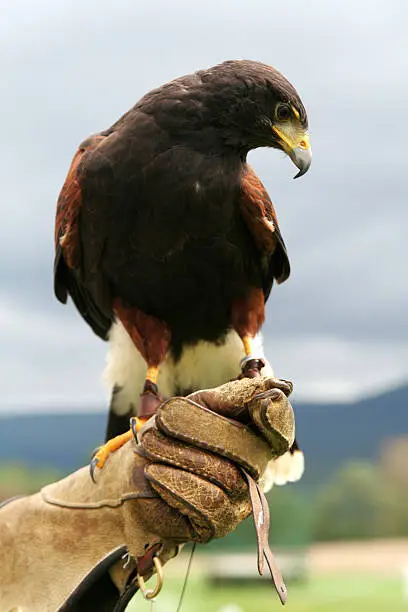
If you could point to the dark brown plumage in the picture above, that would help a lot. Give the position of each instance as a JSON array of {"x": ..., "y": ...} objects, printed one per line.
[{"x": 163, "y": 225}]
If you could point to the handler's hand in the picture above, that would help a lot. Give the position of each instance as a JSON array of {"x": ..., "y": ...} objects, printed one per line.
[
  {"x": 191, "y": 476},
  {"x": 197, "y": 453}
]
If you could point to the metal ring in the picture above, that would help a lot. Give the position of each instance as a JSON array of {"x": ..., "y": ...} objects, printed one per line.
[{"x": 151, "y": 594}]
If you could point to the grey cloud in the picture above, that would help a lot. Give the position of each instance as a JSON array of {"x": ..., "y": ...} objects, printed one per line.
[{"x": 68, "y": 73}]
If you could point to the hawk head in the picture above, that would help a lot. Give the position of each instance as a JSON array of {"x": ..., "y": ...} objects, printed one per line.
[{"x": 254, "y": 106}]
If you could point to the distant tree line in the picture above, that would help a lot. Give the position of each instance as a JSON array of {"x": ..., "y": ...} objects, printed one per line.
[
  {"x": 365, "y": 500},
  {"x": 360, "y": 501}
]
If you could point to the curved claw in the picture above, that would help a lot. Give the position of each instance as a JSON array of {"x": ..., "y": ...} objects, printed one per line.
[
  {"x": 102, "y": 454},
  {"x": 274, "y": 393},
  {"x": 134, "y": 427},
  {"x": 92, "y": 467},
  {"x": 279, "y": 386}
]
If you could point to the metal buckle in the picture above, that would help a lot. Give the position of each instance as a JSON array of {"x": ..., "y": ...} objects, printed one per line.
[{"x": 152, "y": 593}]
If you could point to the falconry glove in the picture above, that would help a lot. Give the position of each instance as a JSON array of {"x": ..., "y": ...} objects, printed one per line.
[{"x": 190, "y": 475}]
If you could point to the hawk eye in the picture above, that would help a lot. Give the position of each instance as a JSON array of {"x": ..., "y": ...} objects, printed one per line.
[{"x": 282, "y": 112}]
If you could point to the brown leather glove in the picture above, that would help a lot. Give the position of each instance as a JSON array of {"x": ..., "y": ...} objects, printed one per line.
[{"x": 191, "y": 477}]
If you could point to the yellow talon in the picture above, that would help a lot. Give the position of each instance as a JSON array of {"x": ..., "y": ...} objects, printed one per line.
[
  {"x": 139, "y": 423},
  {"x": 102, "y": 454},
  {"x": 247, "y": 342},
  {"x": 152, "y": 374},
  {"x": 110, "y": 447}
]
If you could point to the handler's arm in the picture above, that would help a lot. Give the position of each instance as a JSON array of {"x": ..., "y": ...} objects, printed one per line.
[{"x": 191, "y": 476}]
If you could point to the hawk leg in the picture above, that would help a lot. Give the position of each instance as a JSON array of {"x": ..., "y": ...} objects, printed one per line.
[
  {"x": 248, "y": 315},
  {"x": 150, "y": 400},
  {"x": 152, "y": 338}
]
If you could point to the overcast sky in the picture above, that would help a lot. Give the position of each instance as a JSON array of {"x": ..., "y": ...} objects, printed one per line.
[{"x": 338, "y": 327}]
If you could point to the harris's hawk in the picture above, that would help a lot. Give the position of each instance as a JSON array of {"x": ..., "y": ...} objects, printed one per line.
[{"x": 166, "y": 239}]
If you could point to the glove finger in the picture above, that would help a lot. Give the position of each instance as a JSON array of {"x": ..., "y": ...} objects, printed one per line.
[
  {"x": 273, "y": 415},
  {"x": 231, "y": 399},
  {"x": 218, "y": 470},
  {"x": 189, "y": 422},
  {"x": 210, "y": 511}
]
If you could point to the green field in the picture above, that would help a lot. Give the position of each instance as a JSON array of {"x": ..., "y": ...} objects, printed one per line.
[{"x": 327, "y": 594}]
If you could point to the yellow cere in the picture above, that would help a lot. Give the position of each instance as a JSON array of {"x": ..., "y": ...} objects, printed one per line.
[
  {"x": 291, "y": 136},
  {"x": 305, "y": 142}
]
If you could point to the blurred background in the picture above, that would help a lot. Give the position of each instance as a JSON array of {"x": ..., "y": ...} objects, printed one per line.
[{"x": 338, "y": 328}]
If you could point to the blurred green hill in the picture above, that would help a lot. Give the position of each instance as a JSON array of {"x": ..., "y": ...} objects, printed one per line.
[
  {"x": 355, "y": 485},
  {"x": 330, "y": 434}
]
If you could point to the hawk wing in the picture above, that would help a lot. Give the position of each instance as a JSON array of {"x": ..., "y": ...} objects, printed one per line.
[
  {"x": 88, "y": 290},
  {"x": 260, "y": 217}
]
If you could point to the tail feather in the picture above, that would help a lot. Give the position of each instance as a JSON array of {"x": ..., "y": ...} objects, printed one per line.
[{"x": 287, "y": 468}]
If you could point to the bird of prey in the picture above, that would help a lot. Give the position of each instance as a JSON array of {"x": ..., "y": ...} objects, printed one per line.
[{"x": 167, "y": 241}]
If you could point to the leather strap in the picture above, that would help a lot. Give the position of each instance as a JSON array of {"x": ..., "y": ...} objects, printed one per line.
[{"x": 260, "y": 513}]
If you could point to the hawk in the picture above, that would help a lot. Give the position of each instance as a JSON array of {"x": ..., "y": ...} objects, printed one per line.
[{"x": 167, "y": 241}]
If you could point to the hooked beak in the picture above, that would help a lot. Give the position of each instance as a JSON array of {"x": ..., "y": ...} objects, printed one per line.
[
  {"x": 302, "y": 158},
  {"x": 296, "y": 145}
]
